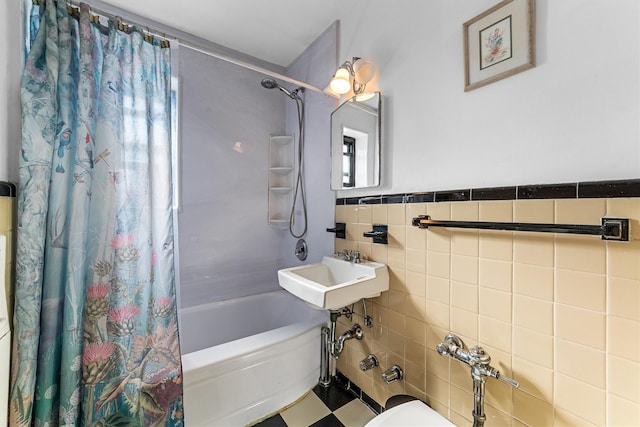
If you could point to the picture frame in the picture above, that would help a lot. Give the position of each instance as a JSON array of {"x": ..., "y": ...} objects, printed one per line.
[{"x": 499, "y": 43}]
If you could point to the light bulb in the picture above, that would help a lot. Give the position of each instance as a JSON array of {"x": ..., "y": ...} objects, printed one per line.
[
  {"x": 363, "y": 71},
  {"x": 340, "y": 83}
]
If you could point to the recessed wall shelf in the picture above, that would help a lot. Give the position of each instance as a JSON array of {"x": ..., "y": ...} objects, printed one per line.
[
  {"x": 281, "y": 190},
  {"x": 281, "y": 139},
  {"x": 281, "y": 170},
  {"x": 281, "y": 177}
]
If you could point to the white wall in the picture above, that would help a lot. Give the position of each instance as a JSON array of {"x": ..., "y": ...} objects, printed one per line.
[
  {"x": 10, "y": 69},
  {"x": 574, "y": 117}
]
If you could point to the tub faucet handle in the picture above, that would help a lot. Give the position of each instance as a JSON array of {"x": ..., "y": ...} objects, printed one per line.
[
  {"x": 392, "y": 374},
  {"x": 369, "y": 362}
]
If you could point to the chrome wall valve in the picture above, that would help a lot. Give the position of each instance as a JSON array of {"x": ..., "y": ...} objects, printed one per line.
[
  {"x": 479, "y": 361},
  {"x": 369, "y": 362},
  {"x": 392, "y": 374}
]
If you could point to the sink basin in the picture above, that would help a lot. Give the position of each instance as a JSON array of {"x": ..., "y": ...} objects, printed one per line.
[{"x": 335, "y": 283}]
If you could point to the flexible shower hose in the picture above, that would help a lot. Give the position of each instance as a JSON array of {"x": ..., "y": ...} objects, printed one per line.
[{"x": 299, "y": 187}]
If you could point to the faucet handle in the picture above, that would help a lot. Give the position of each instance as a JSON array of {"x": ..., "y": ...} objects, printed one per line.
[
  {"x": 392, "y": 374},
  {"x": 494, "y": 373},
  {"x": 511, "y": 382}
]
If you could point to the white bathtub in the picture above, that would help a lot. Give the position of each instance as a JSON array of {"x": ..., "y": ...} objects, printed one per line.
[{"x": 246, "y": 358}]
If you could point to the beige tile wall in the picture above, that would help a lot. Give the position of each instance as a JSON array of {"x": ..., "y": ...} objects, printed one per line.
[
  {"x": 560, "y": 314},
  {"x": 7, "y": 228}
]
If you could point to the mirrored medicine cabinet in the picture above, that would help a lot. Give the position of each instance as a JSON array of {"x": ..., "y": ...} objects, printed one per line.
[{"x": 355, "y": 142}]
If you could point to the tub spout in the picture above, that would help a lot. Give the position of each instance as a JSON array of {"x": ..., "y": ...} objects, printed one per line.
[{"x": 354, "y": 332}]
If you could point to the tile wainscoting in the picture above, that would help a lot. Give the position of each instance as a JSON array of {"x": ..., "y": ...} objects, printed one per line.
[{"x": 558, "y": 313}]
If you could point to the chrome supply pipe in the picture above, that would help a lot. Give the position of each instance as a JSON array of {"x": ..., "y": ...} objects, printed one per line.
[
  {"x": 338, "y": 346},
  {"x": 479, "y": 361},
  {"x": 325, "y": 375},
  {"x": 330, "y": 347}
]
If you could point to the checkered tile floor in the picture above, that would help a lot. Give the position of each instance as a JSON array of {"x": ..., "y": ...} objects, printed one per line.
[{"x": 323, "y": 407}]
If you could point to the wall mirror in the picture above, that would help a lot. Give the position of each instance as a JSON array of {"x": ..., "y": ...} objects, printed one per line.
[{"x": 355, "y": 142}]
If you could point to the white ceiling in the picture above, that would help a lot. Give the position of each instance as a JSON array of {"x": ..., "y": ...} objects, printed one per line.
[{"x": 276, "y": 31}]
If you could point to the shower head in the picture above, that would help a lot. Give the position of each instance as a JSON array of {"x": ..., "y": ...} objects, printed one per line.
[
  {"x": 272, "y": 84},
  {"x": 269, "y": 83}
]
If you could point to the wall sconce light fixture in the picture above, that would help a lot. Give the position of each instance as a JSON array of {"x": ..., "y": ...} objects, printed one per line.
[{"x": 352, "y": 75}]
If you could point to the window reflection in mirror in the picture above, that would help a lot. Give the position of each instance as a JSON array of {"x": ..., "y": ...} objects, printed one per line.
[
  {"x": 355, "y": 143},
  {"x": 348, "y": 161}
]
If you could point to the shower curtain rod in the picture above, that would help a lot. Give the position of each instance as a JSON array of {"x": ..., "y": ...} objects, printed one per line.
[
  {"x": 187, "y": 40},
  {"x": 253, "y": 67}
]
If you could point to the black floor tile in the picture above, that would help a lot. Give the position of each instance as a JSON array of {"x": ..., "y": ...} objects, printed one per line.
[
  {"x": 334, "y": 396},
  {"x": 275, "y": 421},
  {"x": 328, "y": 421}
]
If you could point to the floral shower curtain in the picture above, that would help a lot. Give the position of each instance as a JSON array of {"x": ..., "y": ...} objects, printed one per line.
[{"x": 96, "y": 337}]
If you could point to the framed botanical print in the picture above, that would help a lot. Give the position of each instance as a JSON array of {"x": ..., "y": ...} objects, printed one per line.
[{"x": 499, "y": 43}]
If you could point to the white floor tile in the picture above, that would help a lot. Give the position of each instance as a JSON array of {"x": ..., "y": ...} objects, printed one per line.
[
  {"x": 306, "y": 412},
  {"x": 354, "y": 414}
]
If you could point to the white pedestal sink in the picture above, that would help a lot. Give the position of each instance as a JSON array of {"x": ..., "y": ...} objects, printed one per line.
[{"x": 335, "y": 283}]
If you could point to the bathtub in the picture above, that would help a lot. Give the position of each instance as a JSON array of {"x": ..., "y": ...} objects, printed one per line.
[{"x": 246, "y": 358}]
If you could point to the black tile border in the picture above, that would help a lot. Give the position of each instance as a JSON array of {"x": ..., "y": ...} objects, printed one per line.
[
  {"x": 453, "y": 196},
  {"x": 553, "y": 191},
  {"x": 577, "y": 190},
  {"x": 609, "y": 189},
  {"x": 7, "y": 189},
  {"x": 375, "y": 200},
  {"x": 371, "y": 403},
  {"x": 357, "y": 391},
  {"x": 497, "y": 193},
  {"x": 393, "y": 198},
  {"x": 352, "y": 201},
  {"x": 420, "y": 198}
]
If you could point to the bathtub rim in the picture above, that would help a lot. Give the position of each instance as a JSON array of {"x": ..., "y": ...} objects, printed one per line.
[{"x": 220, "y": 353}]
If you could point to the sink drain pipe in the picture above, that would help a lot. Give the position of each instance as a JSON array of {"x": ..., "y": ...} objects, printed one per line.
[{"x": 328, "y": 337}]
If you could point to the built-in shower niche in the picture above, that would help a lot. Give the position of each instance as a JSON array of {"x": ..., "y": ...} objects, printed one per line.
[{"x": 281, "y": 172}]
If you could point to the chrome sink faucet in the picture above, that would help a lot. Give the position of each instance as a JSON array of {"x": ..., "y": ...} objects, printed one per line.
[
  {"x": 479, "y": 361},
  {"x": 347, "y": 255}
]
